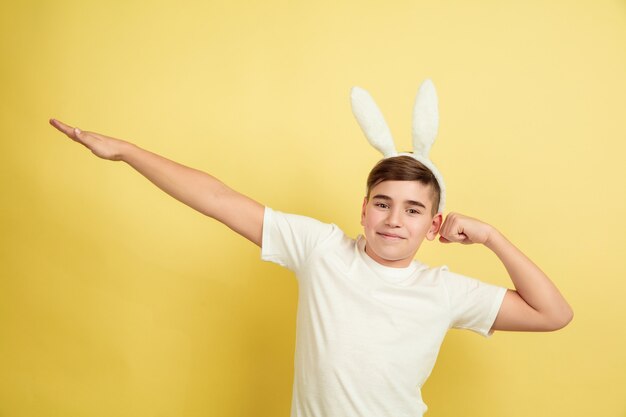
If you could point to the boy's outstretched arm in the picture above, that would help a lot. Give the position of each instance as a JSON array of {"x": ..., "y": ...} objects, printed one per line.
[
  {"x": 194, "y": 188},
  {"x": 536, "y": 304}
]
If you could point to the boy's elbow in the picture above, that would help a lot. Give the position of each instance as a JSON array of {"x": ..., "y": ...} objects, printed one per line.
[
  {"x": 569, "y": 316},
  {"x": 562, "y": 320}
]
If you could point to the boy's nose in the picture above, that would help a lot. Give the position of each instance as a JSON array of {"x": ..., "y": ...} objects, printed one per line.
[{"x": 393, "y": 219}]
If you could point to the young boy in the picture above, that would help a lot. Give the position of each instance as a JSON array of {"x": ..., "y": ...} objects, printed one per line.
[{"x": 370, "y": 318}]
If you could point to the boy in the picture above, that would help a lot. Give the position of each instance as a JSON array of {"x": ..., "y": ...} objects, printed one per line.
[{"x": 370, "y": 318}]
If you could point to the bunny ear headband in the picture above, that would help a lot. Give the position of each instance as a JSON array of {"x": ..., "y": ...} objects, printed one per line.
[{"x": 425, "y": 125}]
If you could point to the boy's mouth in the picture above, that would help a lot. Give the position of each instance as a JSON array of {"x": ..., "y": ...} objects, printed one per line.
[{"x": 389, "y": 235}]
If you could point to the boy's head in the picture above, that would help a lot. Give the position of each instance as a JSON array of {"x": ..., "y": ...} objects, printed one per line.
[
  {"x": 400, "y": 210},
  {"x": 405, "y": 168}
]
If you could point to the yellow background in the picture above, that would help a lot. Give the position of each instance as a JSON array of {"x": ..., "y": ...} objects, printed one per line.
[{"x": 116, "y": 300}]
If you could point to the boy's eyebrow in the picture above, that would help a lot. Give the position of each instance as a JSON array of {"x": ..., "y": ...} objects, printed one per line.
[{"x": 409, "y": 202}]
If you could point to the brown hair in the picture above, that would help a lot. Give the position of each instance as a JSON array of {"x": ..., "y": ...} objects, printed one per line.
[{"x": 404, "y": 168}]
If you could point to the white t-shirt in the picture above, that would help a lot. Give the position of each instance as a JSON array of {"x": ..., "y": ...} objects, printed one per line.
[{"x": 367, "y": 335}]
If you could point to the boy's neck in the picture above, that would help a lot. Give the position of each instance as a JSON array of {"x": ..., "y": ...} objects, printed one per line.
[{"x": 401, "y": 263}]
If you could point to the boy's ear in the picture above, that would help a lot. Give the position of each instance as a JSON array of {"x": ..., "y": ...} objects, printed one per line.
[
  {"x": 363, "y": 211},
  {"x": 435, "y": 226}
]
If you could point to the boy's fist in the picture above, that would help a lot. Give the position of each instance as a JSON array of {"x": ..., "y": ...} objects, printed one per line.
[
  {"x": 101, "y": 146},
  {"x": 459, "y": 228}
]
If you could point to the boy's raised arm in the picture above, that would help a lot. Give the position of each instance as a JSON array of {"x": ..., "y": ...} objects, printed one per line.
[
  {"x": 536, "y": 304},
  {"x": 192, "y": 187}
]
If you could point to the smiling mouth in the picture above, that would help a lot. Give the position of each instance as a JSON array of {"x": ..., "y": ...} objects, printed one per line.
[{"x": 390, "y": 236}]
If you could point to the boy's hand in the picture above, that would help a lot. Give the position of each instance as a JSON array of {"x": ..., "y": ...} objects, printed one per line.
[
  {"x": 101, "y": 146},
  {"x": 463, "y": 229}
]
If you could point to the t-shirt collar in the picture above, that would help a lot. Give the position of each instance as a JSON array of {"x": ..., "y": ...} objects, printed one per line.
[{"x": 389, "y": 273}]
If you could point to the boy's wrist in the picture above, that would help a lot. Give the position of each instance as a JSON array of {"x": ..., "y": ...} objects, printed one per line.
[
  {"x": 493, "y": 237},
  {"x": 125, "y": 151}
]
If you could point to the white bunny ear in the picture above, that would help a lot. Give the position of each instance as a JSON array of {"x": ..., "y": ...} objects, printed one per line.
[
  {"x": 372, "y": 122},
  {"x": 425, "y": 118}
]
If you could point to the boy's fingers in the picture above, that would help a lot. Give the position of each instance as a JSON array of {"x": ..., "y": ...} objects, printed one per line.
[
  {"x": 452, "y": 237},
  {"x": 77, "y": 135},
  {"x": 74, "y": 133},
  {"x": 62, "y": 127}
]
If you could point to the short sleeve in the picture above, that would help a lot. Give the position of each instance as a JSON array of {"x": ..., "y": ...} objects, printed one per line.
[
  {"x": 289, "y": 239},
  {"x": 474, "y": 304}
]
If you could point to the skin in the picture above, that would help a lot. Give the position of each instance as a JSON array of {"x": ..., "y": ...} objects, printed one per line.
[
  {"x": 396, "y": 218},
  {"x": 192, "y": 187},
  {"x": 395, "y": 226}
]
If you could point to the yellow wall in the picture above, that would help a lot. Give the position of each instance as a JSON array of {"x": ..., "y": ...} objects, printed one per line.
[{"x": 116, "y": 300}]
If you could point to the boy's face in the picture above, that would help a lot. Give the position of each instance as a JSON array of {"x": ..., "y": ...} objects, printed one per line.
[{"x": 396, "y": 218}]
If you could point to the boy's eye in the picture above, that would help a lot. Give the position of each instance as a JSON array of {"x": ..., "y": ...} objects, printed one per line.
[
  {"x": 413, "y": 211},
  {"x": 381, "y": 205}
]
